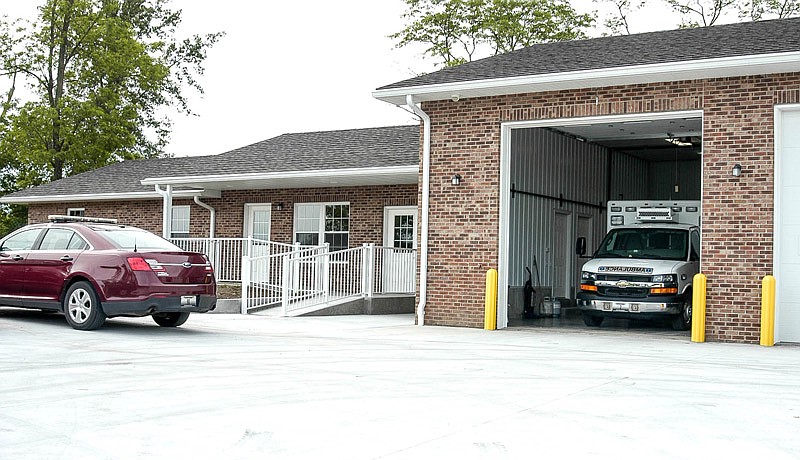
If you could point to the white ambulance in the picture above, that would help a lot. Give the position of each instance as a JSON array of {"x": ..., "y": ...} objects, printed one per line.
[{"x": 645, "y": 265}]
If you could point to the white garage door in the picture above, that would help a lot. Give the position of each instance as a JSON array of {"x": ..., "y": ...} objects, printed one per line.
[{"x": 787, "y": 256}]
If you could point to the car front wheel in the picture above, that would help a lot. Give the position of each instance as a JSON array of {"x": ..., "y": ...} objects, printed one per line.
[
  {"x": 683, "y": 321},
  {"x": 82, "y": 307},
  {"x": 170, "y": 319},
  {"x": 592, "y": 321}
]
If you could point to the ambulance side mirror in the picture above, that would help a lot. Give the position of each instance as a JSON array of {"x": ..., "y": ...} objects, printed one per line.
[{"x": 580, "y": 246}]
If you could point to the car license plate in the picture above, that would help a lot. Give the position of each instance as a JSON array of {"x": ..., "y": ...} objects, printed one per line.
[{"x": 188, "y": 300}]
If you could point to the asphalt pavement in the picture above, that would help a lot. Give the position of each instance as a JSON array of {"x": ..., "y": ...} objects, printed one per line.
[{"x": 379, "y": 387}]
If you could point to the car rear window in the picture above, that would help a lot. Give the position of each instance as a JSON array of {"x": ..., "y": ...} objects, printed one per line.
[{"x": 129, "y": 238}]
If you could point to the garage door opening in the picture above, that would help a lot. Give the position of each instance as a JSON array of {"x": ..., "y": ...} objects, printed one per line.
[{"x": 557, "y": 178}]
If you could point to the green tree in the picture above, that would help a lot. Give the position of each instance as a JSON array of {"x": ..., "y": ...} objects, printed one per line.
[
  {"x": 95, "y": 76},
  {"x": 702, "y": 13},
  {"x": 458, "y": 31},
  {"x": 766, "y": 9},
  {"x": 617, "y": 22}
]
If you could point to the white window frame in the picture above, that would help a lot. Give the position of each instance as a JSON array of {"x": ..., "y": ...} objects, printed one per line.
[
  {"x": 321, "y": 226},
  {"x": 178, "y": 234},
  {"x": 78, "y": 212},
  {"x": 388, "y": 225}
]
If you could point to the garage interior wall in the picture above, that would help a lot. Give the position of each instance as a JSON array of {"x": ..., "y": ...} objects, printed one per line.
[{"x": 550, "y": 165}]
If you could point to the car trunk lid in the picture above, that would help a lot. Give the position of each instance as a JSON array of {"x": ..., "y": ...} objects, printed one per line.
[{"x": 180, "y": 267}]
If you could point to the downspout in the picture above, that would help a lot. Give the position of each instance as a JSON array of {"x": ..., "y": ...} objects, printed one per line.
[
  {"x": 166, "y": 213},
  {"x": 426, "y": 188},
  {"x": 213, "y": 215}
]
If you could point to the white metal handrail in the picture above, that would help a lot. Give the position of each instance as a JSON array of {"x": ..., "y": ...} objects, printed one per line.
[
  {"x": 395, "y": 270},
  {"x": 226, "y": 254},
  {"x": 297, "y": 277},
  {"x": 263, "y": 276},
  {"x": 305, "y": 278},
  {"x": 319, "y": 279}
]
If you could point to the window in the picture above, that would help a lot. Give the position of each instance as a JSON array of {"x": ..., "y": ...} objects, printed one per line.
[
  {"x": 403, "y": 236},
  {"x": 56, "y": 239},
  {"x": 76, "y": 212},
  {"x": 22, "y": 241},
  {"x": 317, "y": 223},
  {"x": 180, "y": 222},
  {"x": 136, "y": 239},
  {"x": 61, "y": 239}
]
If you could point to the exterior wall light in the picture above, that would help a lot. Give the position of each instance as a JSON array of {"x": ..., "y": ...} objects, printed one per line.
[
  {"x": 456, "y": 179},
  {"x": 737, "y": 170},
  {"x": 279, "y": 206}
]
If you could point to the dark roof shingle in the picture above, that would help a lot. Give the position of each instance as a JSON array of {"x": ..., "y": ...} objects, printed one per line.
[{"x": 298, "y": 152}]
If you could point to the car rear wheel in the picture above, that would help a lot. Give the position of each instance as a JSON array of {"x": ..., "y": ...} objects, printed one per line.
[
  {"x": 170, "y": 319},
  {"x": 592, "y": 321},
  {"x": 82, "y": 307}
]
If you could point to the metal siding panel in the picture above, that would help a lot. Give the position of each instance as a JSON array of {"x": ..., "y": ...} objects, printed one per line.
[{"x": 548, "y": 163}]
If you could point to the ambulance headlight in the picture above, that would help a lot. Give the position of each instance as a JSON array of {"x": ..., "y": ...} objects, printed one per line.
[
  {"x": 664, "y": 279},
  {"x": 588, "y": 276}
]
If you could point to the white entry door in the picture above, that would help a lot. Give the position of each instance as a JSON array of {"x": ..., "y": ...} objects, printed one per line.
[
  {"x": 787, "y": 225},
  {"x": 257, "y": 224},
  {"x": 399, "y": 265}
]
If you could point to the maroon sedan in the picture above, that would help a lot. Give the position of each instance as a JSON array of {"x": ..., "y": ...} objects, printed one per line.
[{"x": 93, "y": 269}]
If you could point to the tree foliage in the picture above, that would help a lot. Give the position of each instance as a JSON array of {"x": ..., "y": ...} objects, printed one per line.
[
  {"x": 701, "y": 13},
  {"x": 618, "y": 22},
  {"x": 765, "y": 9},
  {"x": 696, "y": 13},
  {"x": 86, "y": 83},
  {"x": 458, "y": 31}
]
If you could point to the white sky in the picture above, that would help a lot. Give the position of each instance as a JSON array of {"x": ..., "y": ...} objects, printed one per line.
[{"x": 297, "y": 66}]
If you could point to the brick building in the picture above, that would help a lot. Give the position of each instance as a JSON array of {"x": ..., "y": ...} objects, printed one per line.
[{"x": 525, "y": 149}]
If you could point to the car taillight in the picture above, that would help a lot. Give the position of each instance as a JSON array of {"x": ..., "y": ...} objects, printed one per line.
[
  {"x": 138, "y": 264},
  {"x": 209, "y": 268}
]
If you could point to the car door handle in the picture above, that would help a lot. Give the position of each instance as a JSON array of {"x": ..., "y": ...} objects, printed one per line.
[
  {"x": 67, "y": 259},
  {"x": 17, "y": 257}
]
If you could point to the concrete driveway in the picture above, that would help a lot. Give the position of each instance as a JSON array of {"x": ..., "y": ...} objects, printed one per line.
[{"x": 378, "y": 387}]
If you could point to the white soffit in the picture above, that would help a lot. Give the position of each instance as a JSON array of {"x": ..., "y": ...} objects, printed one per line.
[
  {"x": 593, "y": 78},
  {"x": 78, "y": 197}
]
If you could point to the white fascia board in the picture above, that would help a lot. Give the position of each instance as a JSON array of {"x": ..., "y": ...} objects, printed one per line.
[
  {"x": 299, "y": 176},
  {"x": 758, "y": 64},
  {"x": 108, "y": 196}
]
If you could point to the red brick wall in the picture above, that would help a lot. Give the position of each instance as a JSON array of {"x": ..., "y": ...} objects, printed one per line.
[
  {"x": 737, "y": 213},
  {"x": 366, "y": 210}
]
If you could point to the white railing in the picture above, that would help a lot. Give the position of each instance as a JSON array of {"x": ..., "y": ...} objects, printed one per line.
[
  {"x": 263, "y": 275},
  {"x": 395, "y": 270},
  {"x": 226, "y": 254},
  {"x": 304, "y": 279}
]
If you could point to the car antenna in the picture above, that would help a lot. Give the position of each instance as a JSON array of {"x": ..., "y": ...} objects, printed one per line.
[{"x": 134, "y": 245}]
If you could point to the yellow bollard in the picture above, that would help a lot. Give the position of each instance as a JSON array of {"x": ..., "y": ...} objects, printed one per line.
[
  {"x": 768, "y": 311},
  {"x": 699, "y": 308},
  {"x": 490, "y": 312}
]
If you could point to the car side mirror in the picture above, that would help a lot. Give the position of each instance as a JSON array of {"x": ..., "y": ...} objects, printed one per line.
[{"x": 580, "y": 246}]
